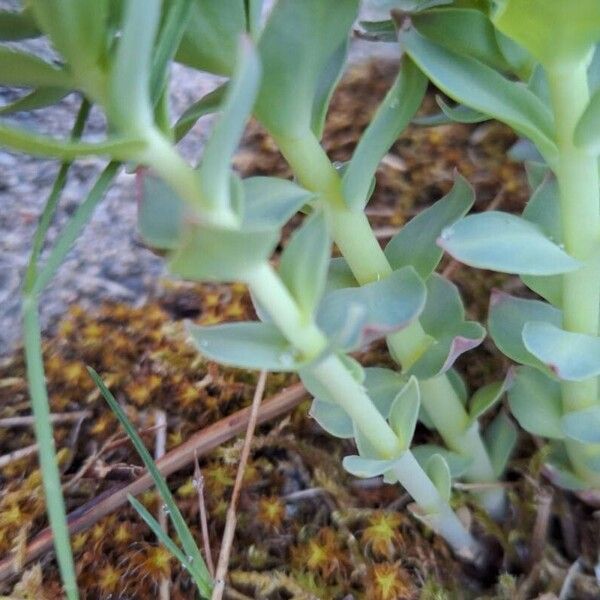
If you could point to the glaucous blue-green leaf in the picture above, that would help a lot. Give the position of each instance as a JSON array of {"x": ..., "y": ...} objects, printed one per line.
[
  {"x": 339, "y": 275},
  {"x": 161, "y": 213},
  {"x": 305, "y": 261},
  {"x": 594, "y": 71},
  {"x": 208, "y": 104},
  {"x": 525, "y": 150},
  {"x": 37, "y": 98},
  {"x": 536, "y": 173},
  {"x": 26, "y": 70},
  {"x": 270, "y": 202},
  {"x": 297, "y": 45},
  {"x": 17, "y": 26},
  {"x": 460, "y": 113},
  {"x": 443, "y": 320},
  {"x": 504, "y": 242},
  {"x": 365, "y": 447},
  {"x": 519, "y": 59},
  {"x": 439, "y": 473},
  {"x": 587, "y": 132},
  {"x": 212, "y": 36},
  {"x": 559, "y": 470},
  {"x": 368, "y": 467},
  {"x": 393, "y": 115},
  {"x": 379, "y": 31},
  {"x": 129, "y": 105},
  {"x": 332, "y": 418},
  {"x": 465, "y": 31},
  {"x": 570, "y": 356},
  {"x": 247, "y": 345},
  {"x": 538, "y": 84},
  {"x": 485, "y": 398},
  {"x": 78, "y": 28},
  {"x": 458, "y": 384},
  {"x": 383, "y": 386},
  {"x": 583, "y": 425},
  {"x": 543, "y": 209},
  {"x": 500, "y": 439},
  {"x": 507, "y": 318},
  {"x": 535, "y": 402},
  {"x": 214, "y": 169},
  {"x": 553, "y": 31},
  {"x": 415, "y": 244},
  {"x": 457, "y": 463},
  {"x": 409, "y": 6},
  {"x": 355, "y": 316},
  {"x": 474, "y": 84},
  {"x": 404, "y": 412}
]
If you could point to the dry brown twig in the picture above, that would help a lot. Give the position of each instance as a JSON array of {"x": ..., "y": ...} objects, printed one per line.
[
  {"x": 199, "y": 485},
  {"x": 202, "y": 442},
  {"x": 231, "y": 519},
  {"x": 164, "y": 588}
]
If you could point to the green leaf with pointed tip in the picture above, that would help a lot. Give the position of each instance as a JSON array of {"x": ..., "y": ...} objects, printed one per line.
[
  {"x": 129, "y": 105},
  {"x": 339, "y": 275},
  {"x": 543, "y": 209},
  {"x": 485, "y": 398},
  {"x": 536, "y": 173},
  {"x": 26, "y": 70},
  {"x": 368, "y": 467},
  {"x": 208, "y": 104},
  {"x": 247, "y": 345},
  {"x": 365, "y": 448},
  {"x": 161, "y": 213},
  {"x": 500, "y": 440},
  {"x": 16, "y": 26},
  {"x": 460, "y": 113},
  {"x": 214, "y": 169},
  {"x": 474, "y": 84},
  {"x": 415, "y": 243},
  {"x": 507, "y": 317},
  {"x": 560, "y": 471},
  {"x": 332, "y": 418},
  {"x": 404, "y": 412},
  {"x": 570, "y": 356},
  {"x": 443, "y": 320},
  {"x": 305, "y": 260},
  {"x": 212, "y": 37},
  {"x": 466, "y": 31},
  {"x": 393, "y": 115},
  {"x": 535, "y": 401},
  {"x": 554, "y": 31},
  {"x": 38, "y": 98},
  {"x": 457, "y": 463},
  {"x": 504, "y": 242},
  {"x": 297, "y": 45},
  {"x": 439, "y": 473},
  {"x": 583, "y": 425},
  {"x": 355, "y": 316},
  {"x": 383, "y": 386},
  {"x": 587, "y": 131}
]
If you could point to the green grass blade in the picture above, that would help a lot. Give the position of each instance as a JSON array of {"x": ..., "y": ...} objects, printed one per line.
[
  {"x": 187, "y": 540},
  {"x": 55, "y": 505},
  {"x": 208, "y": 104}
]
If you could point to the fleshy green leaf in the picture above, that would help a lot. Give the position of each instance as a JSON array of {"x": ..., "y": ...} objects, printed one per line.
[
  {"x": 38, "y": 98},
  {"x": 583, "y": 425},
  {"x": 507, "y": 317},
  {"x": 247, "y": 345},
  {"x": 535, "y": 402},
  {"x": 214, "y": 170},
  {"x": 383, "y": 386},
  {"x": 404, "y": 412},
  {"x": 296, "y": 48},
  {"x": 560, "y": 471},
  {"x": 332, "y": 418},
  {"x": 368, "y": 467},
  {"x": 457, "y": 463},
  {"x": 443, "y": 320},
  {"x": 17, "y": 26},
  {"x": 474, "y": 84},
  {"x": 339, "y": 275},
  {"x": 415, "y": 244},
  {"x": 212, "y": 37},
  {"x": 355, "y": 316},
  {"x": 305, "y": 260},
  {"x": 571, "y": 356},
  {"x": 392, "y": 116},
  {"x": 485, "y": 398},
  {"x": 208, "y": 104},
  {"x": 500, "y": 440},
  {"x": 26, "y": 70},
  {"x": 553, "y": 31},
  {"x": 587, "y": 131},
  {"x": 379, "y": 31},
  {"x": 460, "y": 113},
  {"x": 439, "y": 472},
  {"x": 504, "y": 242}
]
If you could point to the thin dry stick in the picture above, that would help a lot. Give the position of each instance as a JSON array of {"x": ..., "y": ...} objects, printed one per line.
[
  {"x": 6, "y": 459},
  {"x": 199, "y": 485},
  {"x": 164, "y": 589},
  {"x": 202, "y": 442},
  {"x": 231, "y": 519},
  {"x": 27, "y": 420}
]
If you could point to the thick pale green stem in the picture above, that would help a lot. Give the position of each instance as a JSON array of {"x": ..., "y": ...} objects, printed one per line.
[
  {"x": 332, "y": 374},
  {"x": 577, "y": 174},
  {"x": 355, "y": 239}
]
